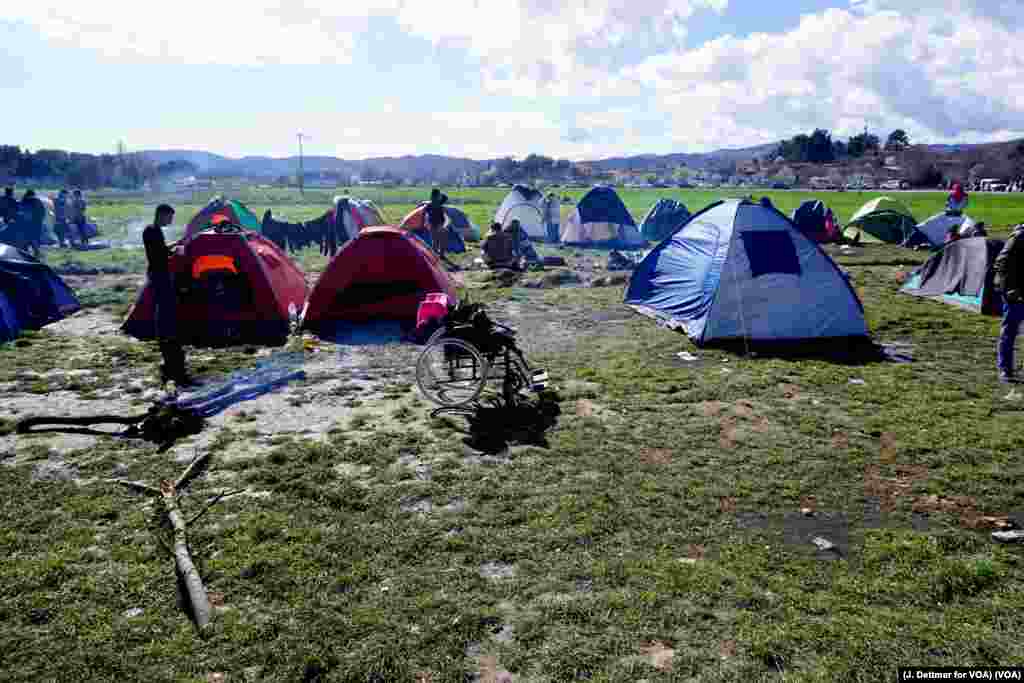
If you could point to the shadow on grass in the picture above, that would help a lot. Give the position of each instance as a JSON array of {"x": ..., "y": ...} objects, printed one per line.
[
  {"x": 853, "y": 351},
  {"x": 492, "y": 427}
]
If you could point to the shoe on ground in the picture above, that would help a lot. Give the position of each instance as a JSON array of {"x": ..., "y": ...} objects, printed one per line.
[{"x": 1007, "y": 378}]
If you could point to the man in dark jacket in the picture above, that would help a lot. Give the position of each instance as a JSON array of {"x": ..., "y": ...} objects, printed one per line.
[
  {"x": 31, "y": 216},
  {"x": 437, "y": 222},
  {"x": 158, "y": 257},
  {"x": 1009, "y": 279},
  {"x": 8, "y": 206}
]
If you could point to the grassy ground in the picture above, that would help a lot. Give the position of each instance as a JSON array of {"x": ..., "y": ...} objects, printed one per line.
[{"x": 659, "y": 535}]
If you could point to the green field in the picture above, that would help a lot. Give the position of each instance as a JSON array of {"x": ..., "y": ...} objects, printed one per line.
[{"x": 663, "y": 533}]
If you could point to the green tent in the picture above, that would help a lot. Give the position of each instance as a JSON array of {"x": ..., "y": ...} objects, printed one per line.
[
  {"x": 884, "y": 220},
  {"x": 220, "y": 209}
]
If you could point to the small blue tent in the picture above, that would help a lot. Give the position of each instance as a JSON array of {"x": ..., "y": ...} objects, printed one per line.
[
  {"x": 31, "y": 294},
  {"x": 663, "y": 219},
  {"x": 741, "y": 270},
  {"x": 602, "y": 220}
]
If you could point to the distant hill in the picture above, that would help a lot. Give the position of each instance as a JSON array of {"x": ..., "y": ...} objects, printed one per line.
[
  {"x": 439, "y": 167},
  {"x": 269, "y": 167}
]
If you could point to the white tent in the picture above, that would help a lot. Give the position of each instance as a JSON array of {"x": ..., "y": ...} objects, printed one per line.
[{"x": 526, "y": 205}]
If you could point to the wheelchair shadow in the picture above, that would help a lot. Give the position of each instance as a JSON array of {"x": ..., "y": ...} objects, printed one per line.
[{"x": 493, "y": 427}]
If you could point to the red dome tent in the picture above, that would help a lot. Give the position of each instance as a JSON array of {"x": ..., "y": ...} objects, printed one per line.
[
  {"x": 234, "y": 287},
  {"x": 384, "y": 273}
]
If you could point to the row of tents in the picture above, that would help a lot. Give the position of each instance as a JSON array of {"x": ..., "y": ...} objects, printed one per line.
[{"x": 737, "y": 269}]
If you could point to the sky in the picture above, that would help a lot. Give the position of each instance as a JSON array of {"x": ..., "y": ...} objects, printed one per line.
[{"x": 575, "y": 79}]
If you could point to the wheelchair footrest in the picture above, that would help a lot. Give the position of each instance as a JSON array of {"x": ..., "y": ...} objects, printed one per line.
[{"x": 539, "y": 380}]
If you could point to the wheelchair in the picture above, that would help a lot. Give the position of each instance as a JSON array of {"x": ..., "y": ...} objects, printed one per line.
[{"x": 469, "y": 352}]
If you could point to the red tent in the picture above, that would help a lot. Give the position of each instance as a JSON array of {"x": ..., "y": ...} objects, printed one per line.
[
  {"x": 233, "y": 288},
  {"x": 384, "y": 273}
]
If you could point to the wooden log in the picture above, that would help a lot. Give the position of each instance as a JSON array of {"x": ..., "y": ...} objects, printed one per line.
[
  {"x": 138, "y": 486},
  {"x": 191, "y": 472},
  {"x": 183, "y": 559}
]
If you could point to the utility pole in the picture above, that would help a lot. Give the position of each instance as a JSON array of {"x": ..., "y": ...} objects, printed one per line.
[{"x": 301, "y": 188}]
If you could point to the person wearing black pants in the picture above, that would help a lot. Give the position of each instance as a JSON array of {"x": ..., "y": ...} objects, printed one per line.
[{"x": 158, "y": 256}]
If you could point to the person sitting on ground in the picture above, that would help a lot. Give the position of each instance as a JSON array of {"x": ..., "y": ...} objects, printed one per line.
[
  {"x": 60, "y": 218},
  {"x": 8, "y": 206},
  {"x": 1009, "y": 279},
  {"x": 158, "y": 256},
  {"x": 957, "y": 200},
  {"x": 437, "y": 222},
  {"x": 952, "y": 234},
  {"x": 498, "y": 249},
  {"x": 31, "y": 216}
]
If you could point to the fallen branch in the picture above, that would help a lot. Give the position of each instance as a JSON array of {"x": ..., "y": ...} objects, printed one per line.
[
  {"x": 221, "y": 496},
  {"x": 184, "y": 567},
  {"x": 137, "y": 486},
  {"x": 183, "y": 560}
]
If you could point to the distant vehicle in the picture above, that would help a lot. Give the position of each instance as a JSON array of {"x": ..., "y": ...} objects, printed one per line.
[
  {"x": 894, "y": 185},
  {"x": 993, "y": 185},
  {"x": 780, "y": 186}
]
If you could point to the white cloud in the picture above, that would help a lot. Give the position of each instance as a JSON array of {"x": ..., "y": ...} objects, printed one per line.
[
  {"x": 522, "y": 45},
  {"x": 947, "y": 72}
]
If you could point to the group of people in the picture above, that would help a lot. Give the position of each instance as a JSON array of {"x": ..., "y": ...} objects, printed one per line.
[
  {"x": 507, "y": 247},
  {"x": 23, "y": 222}
]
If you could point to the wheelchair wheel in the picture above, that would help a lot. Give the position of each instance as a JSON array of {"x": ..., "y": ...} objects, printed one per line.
[{"x": 451, "y": 372}]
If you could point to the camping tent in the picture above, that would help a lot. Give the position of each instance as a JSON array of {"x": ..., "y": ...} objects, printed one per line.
[
  {"x": 221, "y": 210},
  {"x": 663, "y": 219},
  {"x": 816, "y": 221},
  {"x": 49, "y": 236},
  {"x": 415, "y": 222},
  {"x": 742, "y": 270},
  {"x": 357, "y": 214},
  {"x": 382, "y": 274},
  {"x": 233, "y": 287},
  {"x": 961, "y": 274},
  {"x": 31, "y": 294},
  {"x": 936, "y": 227},
  {"x": 885, "y": 220},
  {"x": 602, "y": 220},
  {"x": 526, "y": 205}
]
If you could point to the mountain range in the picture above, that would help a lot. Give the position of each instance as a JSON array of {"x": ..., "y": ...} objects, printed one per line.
[{"x": 437, "y": 166}]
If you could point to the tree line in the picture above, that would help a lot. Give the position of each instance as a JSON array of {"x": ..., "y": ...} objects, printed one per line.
[
  {"x": 820, "y": 148},
  {"x": 87, "y": 171}
]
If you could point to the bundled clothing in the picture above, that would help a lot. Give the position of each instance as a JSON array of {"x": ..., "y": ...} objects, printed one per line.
[{"x": 326, "y": 232}]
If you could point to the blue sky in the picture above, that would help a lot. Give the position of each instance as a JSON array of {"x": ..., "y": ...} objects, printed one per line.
[{"x": 487, "y": 78}]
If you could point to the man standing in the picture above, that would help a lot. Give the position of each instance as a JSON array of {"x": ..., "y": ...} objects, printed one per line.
[
  {"x": 437, "y": 219},
  {"x": 60, "y": 218},
  {"x": 31, "y": 216},
  {"x": 552, "y": 216},
  {"x": 1009, "y": 269},
  {"x": 158, "y": 256},
  {"x": 76, "y": 215},
  {"x": 8, "y": 206}
]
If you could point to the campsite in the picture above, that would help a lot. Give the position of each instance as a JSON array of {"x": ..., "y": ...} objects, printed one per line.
[{"x": 696, "y": 512}]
